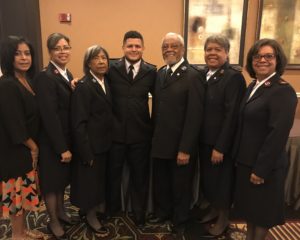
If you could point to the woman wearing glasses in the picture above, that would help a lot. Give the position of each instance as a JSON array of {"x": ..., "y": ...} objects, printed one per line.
[
  {"x": 266, "y": 117},
  {"x": 53, "y": 89}
]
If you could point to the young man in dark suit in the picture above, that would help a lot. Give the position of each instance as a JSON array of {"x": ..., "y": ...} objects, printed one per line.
[
  {"x": 131, "y": 81},
  {"x": 177, "y": 114}
]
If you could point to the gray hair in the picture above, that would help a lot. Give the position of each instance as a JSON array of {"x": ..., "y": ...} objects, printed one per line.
[
  {"x": 219, "y": 39},
  {"x": 172, "y": 34},
  {"x": 90, "y": 53}
]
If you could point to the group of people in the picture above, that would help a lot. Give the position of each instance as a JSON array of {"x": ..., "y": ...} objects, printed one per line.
[{"x": 84, "y": 131}]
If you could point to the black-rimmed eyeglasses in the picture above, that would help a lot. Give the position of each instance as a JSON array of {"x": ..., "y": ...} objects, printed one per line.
[{"x": 267, "y": 57}]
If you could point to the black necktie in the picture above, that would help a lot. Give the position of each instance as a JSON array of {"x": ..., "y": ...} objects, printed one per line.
[
  {"x": 130, "y": 73},
  {"x": 168, "y": 75}
]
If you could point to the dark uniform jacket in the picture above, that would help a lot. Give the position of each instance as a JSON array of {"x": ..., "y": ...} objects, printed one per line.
[
  {"x": 223, "y": 94},
  {"x": 132, "y": 122},
  {"x": 19, "y": 120},
  {"x": 264, "y": 125},
  {"x": 53, "y": 93},
  {"x": 177, "y": 111},
  {"x": 91, "y": 117}
]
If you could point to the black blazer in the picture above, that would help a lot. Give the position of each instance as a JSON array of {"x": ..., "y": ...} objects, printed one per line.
[
  {"x": 264, "y": 125},
  {"x": 92, "y": 120},
  {"x": 223, "y": 94},
  {"x": 132, "y": 122},
  {"x": 19, "y": 120},
  {"x": 53, "y": 93},
  {"x": 177, "y": 111}
]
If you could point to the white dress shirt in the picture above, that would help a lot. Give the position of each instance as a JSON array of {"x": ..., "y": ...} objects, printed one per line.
[
  {"x": 63, "y": 72},
  {"x": 101, "y": 82},
  {"x": 259, "y": 83},
  {"x": 136, "y": 67}
]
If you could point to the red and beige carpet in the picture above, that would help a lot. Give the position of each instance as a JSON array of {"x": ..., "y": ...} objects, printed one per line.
[{"x": 123, "y": 228}]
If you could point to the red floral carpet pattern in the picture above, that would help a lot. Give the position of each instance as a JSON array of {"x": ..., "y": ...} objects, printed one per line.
[{"x": 123, "y": 228}]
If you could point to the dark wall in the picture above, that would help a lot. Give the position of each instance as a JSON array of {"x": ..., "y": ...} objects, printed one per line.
[{"x": 22, "y": 18}]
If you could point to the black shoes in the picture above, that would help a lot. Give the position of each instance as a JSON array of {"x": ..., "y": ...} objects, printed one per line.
[
  {"x": 178, "y": 231},
  {"x": 101, "y": 231},
  {"x": 139, "y": 221},
  {"x": 62, "y": 237}
]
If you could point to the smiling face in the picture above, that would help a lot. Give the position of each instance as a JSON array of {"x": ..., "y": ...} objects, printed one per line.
[
  {"x": 99, "y": 64},
  {"x": 172, "y": 49},
  {"x": 215, "y": 55},
  {"x": 133, "y": 49},
  {"x": 60, "y": 54},
  {"x": 23, "y": 60},
  {"x": 264, "y": 62}
]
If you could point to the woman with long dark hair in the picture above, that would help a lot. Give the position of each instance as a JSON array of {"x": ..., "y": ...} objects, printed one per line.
[{"x": 19, "y": 123}]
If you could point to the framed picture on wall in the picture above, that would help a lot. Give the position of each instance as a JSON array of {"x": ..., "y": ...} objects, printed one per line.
[
  {"x": 206, "y": 17},
  {"x": 280, "y": 20}
]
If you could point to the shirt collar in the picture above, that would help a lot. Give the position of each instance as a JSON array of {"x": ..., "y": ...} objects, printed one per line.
[
  {"x": 136, "y": 66},
  {"x": 94, "y": 76},
  {"x": 267, "y": 78},
  {"x": 176, "y": 65},
  {"x": 264, "y": 80},
  {"x": 61, "y": 71}
]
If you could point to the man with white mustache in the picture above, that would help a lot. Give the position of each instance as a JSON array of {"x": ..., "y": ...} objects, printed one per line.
[{"x": 177, "y": 114}]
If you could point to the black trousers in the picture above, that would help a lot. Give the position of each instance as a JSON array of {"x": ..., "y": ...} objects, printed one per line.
[
  {"x": 173, "y": 189},
  {"x": 137, "y": 158}
]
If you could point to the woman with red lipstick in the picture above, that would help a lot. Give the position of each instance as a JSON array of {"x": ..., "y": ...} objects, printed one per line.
[
  {"x": 53, "y": 89},
  {"x": 266, "y": 117},
  {"x": 225, "y": 87},
  {"x": 91, "y": 118},
  {"x": 19, "y": 123}
]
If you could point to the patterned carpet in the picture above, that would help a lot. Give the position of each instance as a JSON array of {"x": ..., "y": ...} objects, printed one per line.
[{"x": 123, "y": 228}]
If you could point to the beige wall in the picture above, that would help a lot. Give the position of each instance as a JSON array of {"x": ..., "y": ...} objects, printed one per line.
[{"x": 104, "y": 22}]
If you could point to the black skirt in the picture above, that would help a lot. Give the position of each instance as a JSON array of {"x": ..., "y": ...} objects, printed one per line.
[
  {"x": 88, "y": 183},
  {"x": 261, "y": 205},
  {"x": 216, "y": 181},
  {"x": 54, "y": 175}
]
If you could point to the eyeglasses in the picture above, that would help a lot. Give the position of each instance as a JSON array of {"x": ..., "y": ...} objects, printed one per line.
[
  {"x": 62, "y": 49},
  {"x": 267, "y": 57}
]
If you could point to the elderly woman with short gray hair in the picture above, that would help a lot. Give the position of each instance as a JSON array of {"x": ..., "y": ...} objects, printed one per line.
[{"x": 91, "y": 119}]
